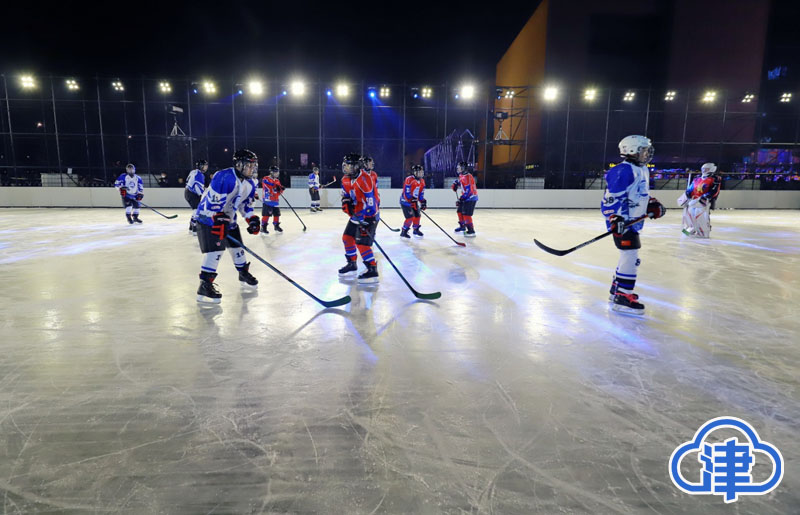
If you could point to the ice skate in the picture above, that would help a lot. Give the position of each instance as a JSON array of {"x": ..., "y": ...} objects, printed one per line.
[
  {"x": 246, "y": 278},
  {"x": 207, "y": 293},
  {"x": 370, "y": 276},
  {"x": 278, "y": 227},
  {"x": 349, "y": 268},
  {"x": 136, "y": 219},
  {"x": 627, "y": 303},
  {"x": 404, "y": 233},
  {"x": 417, "y": 232}
]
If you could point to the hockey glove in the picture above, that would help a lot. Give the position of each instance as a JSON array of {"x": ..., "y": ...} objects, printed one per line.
[
  {"x": 139, "y": 196},
  {"x": 617, "y": 224},
  {"x": 424, "y": 204},
  {"x": 415, "y": 205},
  {"x": 347, "y": 206},
  {"x": 458, "y": 203},
  {"x": 123, "y": 192},
  {"x": 656, "y": 209},
  {"x": 454, "y": 187},
  {"x": 253, "y": 226}
]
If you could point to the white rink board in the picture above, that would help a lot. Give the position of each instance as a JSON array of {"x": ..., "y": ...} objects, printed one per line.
[{"x": 437, "y": 198}]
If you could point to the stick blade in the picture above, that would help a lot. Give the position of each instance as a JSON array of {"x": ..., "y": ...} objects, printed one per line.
[
  {"x": 428, "y": 296},
  {"x": 338, "y": 302},
  {"x": 549, "y": 250},
  {"x": 461, "y": 244},
  {"x": 171, "y": 217}
]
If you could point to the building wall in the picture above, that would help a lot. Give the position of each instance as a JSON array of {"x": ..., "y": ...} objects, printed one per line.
[{"x": 523, "y": 64}]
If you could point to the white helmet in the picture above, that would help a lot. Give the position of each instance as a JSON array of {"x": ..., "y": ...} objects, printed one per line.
[
  {"x": 638, "y": 148},
  {"x": 708, "y": 169}
]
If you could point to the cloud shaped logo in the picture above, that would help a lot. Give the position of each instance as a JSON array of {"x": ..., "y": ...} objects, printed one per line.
[{"x": 726, "y": 466}]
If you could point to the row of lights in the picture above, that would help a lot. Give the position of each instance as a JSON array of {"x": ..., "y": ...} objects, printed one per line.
[
  {"x": 466, "y": 92},
  {"x": 590, "y": 95}
]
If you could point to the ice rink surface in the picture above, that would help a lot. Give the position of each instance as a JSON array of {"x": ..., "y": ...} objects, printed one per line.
[{"x": 518, "y": 391}]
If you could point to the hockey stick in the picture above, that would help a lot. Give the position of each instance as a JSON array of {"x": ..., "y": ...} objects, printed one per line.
[
  {"x": 573, "y": 249},
  {"x": 426, "y": 296},
  {"x": 326, "y": 185},
  {"x": 389, "y": 227},
  {"x": 156, "y": 212},
  {"x": 293, "y": 211},
  {"x": 328, "y": 304},
  {"x": 460, "y": 244}
]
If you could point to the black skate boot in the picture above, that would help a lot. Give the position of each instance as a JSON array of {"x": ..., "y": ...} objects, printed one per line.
[
  {"x": 207, "y": 293},
  {"x": 130, "y": 220},
  {"x": 460, "y": 227},
  {"x": 470, "y": 232},
  {"x": 350, "y": 267},
  {"x": 417, "y": 232},
  {"x": 246, "y": 278},
  {"x": 370, "y": 276},
  {"x": 404, "y": 233},
  {"x": 612, "y": 292},
  {"x": 264, "y": 228},
  {"x": 278, "y": 227},
  {"x": 136, "y": 219},
  {"x": 627, "y": 303}
]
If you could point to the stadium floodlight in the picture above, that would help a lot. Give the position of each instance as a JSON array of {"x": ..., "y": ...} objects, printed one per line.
[
  {"x": 467, "y": 92},
  {"x": 748, "y": 98},
  {"x": 371, "y": 93},
  {"x": 786, "y": 97},
  {"x": 298, "y": 88},
  {"x": 709, "y": 96},
  {"x": 550, "y": 93},
  {"x": 669, "y": 96},
  {"x": 27, "y": 81},
  {"x": 255, "y": 87},
  {"x": 426, "y": 92},
  {"x": 165, "y": 87},
  {"x": 342, "y": 90},
  {"x": 117, "y": 85},
  {"x": 209, "y": 87},
  {"x": 509, "y": 93},
  {"x": 590, "y": 95},
  {"x": 72, "y": 85},
  {"x": 384, "y": 92},
  {"x": 629, "y": 96},
  {"x": 329, "y": 93}
]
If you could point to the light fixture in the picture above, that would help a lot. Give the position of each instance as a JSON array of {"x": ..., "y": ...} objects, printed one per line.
[
  {"x": 384, "y": 92},
  {"x": 209, "y": 87},
  {"x": 165, "y": 87},
  {"x": 509, "y": 93},
  {"x": 748, "y": 98},
  {"x": 27, "y": 82},
  {"x": 590, "y": 95},
  {"x": 786, "y": 97},
  {"x": 255, "y": 87},
  {"x": 371, "y": 93},
  {"x": 709, "y": 96},
  {"x": 467, "y": 92},
  {"x": 329, "y": 93},
  {"x": 117, "y": 85},
  {"x": 629, "y": 96},
  {"x": 426, "y": 92},
  {"x": 550, "y": 93},
  {"x": 669, "y": 96},
  {"x": 72, "y": 85},
  {"x": 342, "y": 90},
  {"x": 298, "y": 88}
]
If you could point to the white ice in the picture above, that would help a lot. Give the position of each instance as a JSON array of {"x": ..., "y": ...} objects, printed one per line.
[{"x": 518, "y": 391}]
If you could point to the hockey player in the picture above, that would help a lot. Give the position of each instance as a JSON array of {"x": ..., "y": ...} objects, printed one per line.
[
  {"x": 412, "y": 199},
  {"x": 131, "y": 189},
  {"x": 627, "y": 197},
  {"x": 359, "y": 202},
  {"x": 231, "y": 190},
  {"x": 195, "y": 184},
  {"x": 696, "y": 202},
  {"x": 370, "y": 167},
  {"x": 271, "y": 184},
  {"x": 313, "y": 189},
  {"x": 467, "y": 193}
]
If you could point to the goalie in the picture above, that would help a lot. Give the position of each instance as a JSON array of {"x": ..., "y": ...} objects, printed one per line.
[{"x": 697, "y": 201}]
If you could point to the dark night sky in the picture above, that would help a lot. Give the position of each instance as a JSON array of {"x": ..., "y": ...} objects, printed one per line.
[{"x": 374, "y": 41}]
